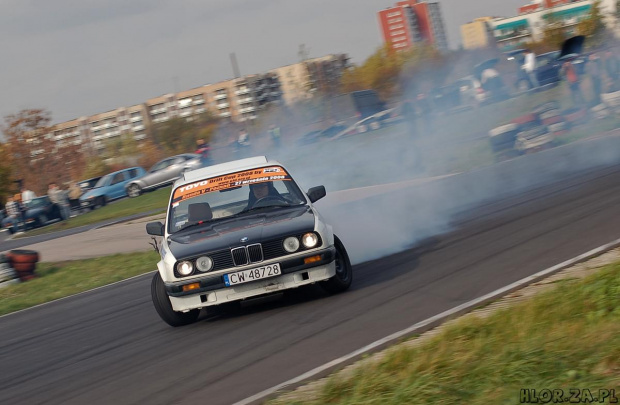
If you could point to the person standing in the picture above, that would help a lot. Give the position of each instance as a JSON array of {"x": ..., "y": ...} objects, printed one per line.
[
  {"x": 529, "y": 66},
  {"x": 612, "y": 69},
  {"x": 27, "y": 195},
  {"x": 569, "y": 73},
  {"x": 595, "y": 70},
  {"x": 203, "y": 149},
  {"x": 274, "y": 132},
  {"x": 13, "y": 210},
  {"x": 243, "y": 143},
  {"x": 59, "y": 197}
]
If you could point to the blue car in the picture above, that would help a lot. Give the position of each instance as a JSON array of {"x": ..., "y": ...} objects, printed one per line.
[{"x": 110, "y": 187}]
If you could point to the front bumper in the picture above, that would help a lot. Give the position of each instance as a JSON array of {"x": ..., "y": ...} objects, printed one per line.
[{"x": 213, "y": 291}]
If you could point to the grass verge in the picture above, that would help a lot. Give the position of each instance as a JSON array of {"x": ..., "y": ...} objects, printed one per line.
[
  {"x": 156, "y": 200},
  {"x": 58, "y": 280},
  {"x": 568, "y": 337}
]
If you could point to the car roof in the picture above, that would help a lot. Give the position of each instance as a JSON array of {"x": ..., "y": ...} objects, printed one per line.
[{"x": 225, "y": 168}]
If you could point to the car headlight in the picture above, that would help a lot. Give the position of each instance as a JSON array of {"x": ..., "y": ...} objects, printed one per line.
[
  {"x": 204, "y": 263},
  {"x": 185, "y": 268},
  {"x": 291, "y": 244},
  {"x": 309, "y": 240}
]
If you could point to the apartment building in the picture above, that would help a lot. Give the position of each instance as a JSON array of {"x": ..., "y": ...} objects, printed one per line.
[
  {"x": 238, "y": 100},
  {"x": 411, "y": 22},
  {"x": 529, "y": 24},
  {"x": 301, "y": 80},
  {"x": 477, "y": 34}
]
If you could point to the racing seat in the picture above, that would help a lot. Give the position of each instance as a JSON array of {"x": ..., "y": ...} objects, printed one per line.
[{"x": 199, "y": 212}]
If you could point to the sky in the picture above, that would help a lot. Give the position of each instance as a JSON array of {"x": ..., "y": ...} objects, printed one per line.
[{"x": 76, "y": 58}]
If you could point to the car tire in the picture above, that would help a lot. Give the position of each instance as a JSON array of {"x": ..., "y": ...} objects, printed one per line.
[
  {"x": 101, "y": 202},
  {"x": 375, "y": 125},
  {"x": 344, "y": 271},
  {"x": 162, "y": 304},
  {"x": 42, "y": 220},
  {"x": 134, "y": 190}
]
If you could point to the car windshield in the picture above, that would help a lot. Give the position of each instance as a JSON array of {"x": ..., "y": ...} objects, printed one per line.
[
  {"x": 232, "y": 195},
  {"x": 37, "y": 202},
  {"x": 101, "y": 181}
]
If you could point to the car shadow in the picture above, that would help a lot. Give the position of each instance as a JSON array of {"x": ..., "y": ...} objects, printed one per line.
[{"x": 365, "y": 276}]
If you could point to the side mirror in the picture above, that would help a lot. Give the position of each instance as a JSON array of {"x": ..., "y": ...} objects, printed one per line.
[
  {"x": 316, "y": 193},
  {"x": 155, "y": 228}
]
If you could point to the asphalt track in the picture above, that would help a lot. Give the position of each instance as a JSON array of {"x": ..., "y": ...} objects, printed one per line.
[{"x": 108, "y": 346}]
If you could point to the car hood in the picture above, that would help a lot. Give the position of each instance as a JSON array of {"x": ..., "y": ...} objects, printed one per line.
[
  {"x": 257, "y": 228},
  {"x": 93, "y": 192}
]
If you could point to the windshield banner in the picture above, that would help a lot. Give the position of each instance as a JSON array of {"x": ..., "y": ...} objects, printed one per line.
[{"x": 229, "y": 181}]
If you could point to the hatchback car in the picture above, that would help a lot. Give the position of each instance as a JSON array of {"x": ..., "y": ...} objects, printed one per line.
[
  {"x": 239, "y": 230},
  {"x": 163, "y": 173},
  {"x": 39, "y": 211},
  {"x": 109, "y": 187}
]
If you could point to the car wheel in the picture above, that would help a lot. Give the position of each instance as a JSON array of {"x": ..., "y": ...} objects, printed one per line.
[
  {"x": 344, "y": 271},
  {"x": 133, "y": 190},
  {"x": 164, "y": 307},
  {"x": 102, "y": 201},
  {"x": 523, "y": 85},
  {"x": 375, "y": 125},
  {"x": 42, "y": 220}
]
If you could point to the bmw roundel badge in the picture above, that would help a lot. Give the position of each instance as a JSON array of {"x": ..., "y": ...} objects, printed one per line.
[{"x": 245, "y": 239}]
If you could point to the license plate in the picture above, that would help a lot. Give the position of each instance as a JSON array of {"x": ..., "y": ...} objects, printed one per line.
[{"x": 258, "y": 273}]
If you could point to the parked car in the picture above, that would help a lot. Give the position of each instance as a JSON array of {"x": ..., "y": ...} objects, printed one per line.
[
  {"x": 87, "y": 184},
  {"x": 239, "y": 230},
  {"x": 548, "y": 70},
  {"x": 370, "y": 123},
  {"x": 471, "y": 91},
  {"x": 39, "y": 211},
  {"x": 163, "y": 173},
  {"x": 355, "y": 106},
  {"x": 320, "y": 135},
  {"x": 109, "y": 187}
]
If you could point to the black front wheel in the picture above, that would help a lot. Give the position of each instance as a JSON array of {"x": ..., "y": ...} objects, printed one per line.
[
  {"x": 164, "y": 307},
  {"x": 344, "y": 271}
]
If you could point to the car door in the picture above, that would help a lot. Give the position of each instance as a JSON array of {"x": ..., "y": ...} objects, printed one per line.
[
  {"x": 157, "y": 174},
  {"x": 117, "y": 185},
  {"x": 177, "y": 166}
]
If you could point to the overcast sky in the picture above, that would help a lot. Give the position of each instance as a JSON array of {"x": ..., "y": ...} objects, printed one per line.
[{"x": 81, "y": 57}]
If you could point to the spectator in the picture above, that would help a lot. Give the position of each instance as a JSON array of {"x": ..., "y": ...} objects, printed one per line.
[
  {"x": 13, "y": 210},
  {"x": 59, "y": 197},
  {"x": 426, "y": 113},
  {"x": 74, "y": 196},
  {"x": 529, "y": 66},
  {"x": 27, "y": 195},
  {"x": 409, "y": 117},
  {"x": 569, "y": 73},
  {"x": 595, "y": 70},
  {"x": 203, "y": 149},
  {"x": 612, "y": 68},
  {"x": 243, "y": 143},
  {"x": 274, "y": 132}
]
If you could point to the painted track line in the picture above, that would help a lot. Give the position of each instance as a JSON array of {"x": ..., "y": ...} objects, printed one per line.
[{"x": 419, "y": 327}]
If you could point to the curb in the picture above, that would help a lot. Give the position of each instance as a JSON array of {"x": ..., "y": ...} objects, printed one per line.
[{"x": 418, "y": 328}]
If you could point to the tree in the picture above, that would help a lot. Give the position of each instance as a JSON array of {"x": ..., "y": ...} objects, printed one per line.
[
  {"x": 593, "y": 26},
  {"x": 34, "y": 155},
  {"x": 383, "y": 71},
  {"x": 178, "y": 135},
  {"x": 7, "y": 187}
]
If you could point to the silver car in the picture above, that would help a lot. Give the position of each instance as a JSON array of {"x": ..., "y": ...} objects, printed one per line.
[{"x": 164, "y": 172}]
